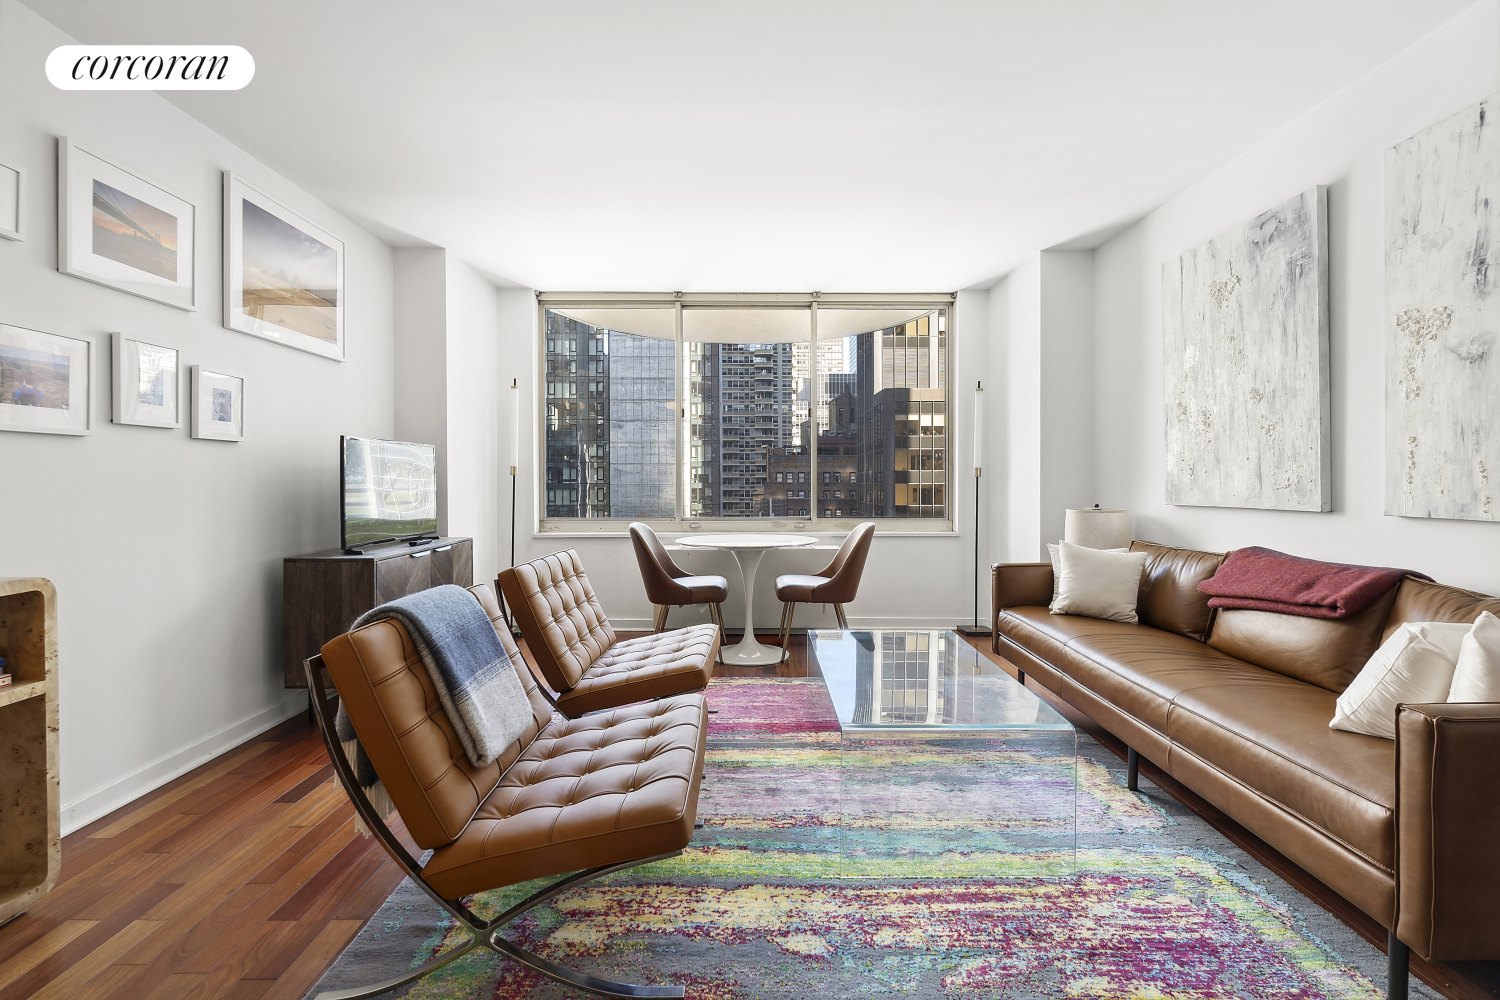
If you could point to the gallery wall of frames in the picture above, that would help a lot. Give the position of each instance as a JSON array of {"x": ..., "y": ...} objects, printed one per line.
[
  {"x": 185, "y": 331},
  {"x": 283, "y": 281}
]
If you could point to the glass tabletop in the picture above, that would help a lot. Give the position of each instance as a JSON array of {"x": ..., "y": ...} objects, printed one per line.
[{"x": 909, "y": 680}]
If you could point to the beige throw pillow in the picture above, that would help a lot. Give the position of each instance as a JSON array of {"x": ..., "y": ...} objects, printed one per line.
[
  {"x": 1098, "y": 583},
  {"x": 1414, "y": 666},
  {"x": 1052, "y": 553},
  {"x": 1477, "y": 676}
]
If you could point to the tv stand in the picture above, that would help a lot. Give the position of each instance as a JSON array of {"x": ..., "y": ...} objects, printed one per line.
[{"x": 325, "y": 591}]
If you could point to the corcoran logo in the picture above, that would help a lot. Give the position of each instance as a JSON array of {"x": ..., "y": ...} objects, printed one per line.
[{"x": 150, "y": 67}]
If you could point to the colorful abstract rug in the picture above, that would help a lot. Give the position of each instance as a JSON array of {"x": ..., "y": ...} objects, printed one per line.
[{"x": 1158, "y": 907}]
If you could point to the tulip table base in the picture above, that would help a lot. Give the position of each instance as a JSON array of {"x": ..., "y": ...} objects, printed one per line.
[{"x": 749, "y": 652}]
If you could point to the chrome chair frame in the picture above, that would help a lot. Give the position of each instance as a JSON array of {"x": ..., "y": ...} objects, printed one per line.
[{"x": 482, "y": 933}]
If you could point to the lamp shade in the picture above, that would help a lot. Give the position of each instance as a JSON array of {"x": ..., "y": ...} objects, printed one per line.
[{"x": 1097, "y": 529}]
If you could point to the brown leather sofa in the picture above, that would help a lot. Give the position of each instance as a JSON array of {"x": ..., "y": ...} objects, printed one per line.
[{"x": 1235, "y": 704}]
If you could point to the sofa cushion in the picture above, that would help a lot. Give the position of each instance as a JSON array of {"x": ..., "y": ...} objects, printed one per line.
[
  {"x": 1425, "y": 601},
  {"x": 1169, "y": 598},
  {"x": 1328, "y": 652},
  {"x": 1271, "y": 732},
  {"x": 1137, "y": 668}
]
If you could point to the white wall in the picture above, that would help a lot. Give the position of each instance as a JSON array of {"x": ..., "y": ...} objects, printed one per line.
[
  {"x": 167, "y": 552},
  {"x": 1342, "y": 144},
  {"x": 1041, "y": 445},
  {"x": 916, "y": 580},
  {"x": 420, "y": 307},
  {"x": 474, "y": 442}
]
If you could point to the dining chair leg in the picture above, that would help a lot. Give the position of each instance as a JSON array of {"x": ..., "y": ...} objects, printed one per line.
[
  {"x": 659, "y": 617},
  {"x": 838, "y": 611},
  {"x": 787, "y": 611}
]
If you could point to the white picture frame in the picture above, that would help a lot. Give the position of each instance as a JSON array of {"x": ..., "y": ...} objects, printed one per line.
[
  {"x": 146, "y": 383},
  {"x": 119, "y": 229},
  {"x": 215, "y": 396},
  {"x": 293, "y": 268},
  {"x": 45, "y": 383},
  {"x": 12, "y": 202}
]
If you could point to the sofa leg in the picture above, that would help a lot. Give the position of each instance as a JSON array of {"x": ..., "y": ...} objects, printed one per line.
[
  {"x": 1021, "y": 676},
  {"x": 1398, "y": 962},
  {"x": 1132, "y": 769}
]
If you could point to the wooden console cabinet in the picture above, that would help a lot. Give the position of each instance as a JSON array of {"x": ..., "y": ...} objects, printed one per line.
[
  {"x": 325, "y": 591},
  {"x": 30, "y": 834}
]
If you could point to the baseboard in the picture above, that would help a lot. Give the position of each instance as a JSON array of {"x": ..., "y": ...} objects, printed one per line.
[{"x": 111, "y": 797}]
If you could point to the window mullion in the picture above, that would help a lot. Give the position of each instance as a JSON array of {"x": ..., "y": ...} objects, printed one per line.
[{"x": 812, "y": 418}]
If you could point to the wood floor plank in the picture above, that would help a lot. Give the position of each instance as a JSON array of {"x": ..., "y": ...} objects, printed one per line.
[
  {"x": 373, "y": 894},
  {"x": 309, "y": 966},
  {"x": 224, "y": 967},
  {"x": 37, "y": 952},
  {"x": 132, "y": 841},
  {"x": 325, "y": 773},
  {"x": 302, "y": 900},
  {"x": 102, "y": 984},
  {"x": 304, "y": 931},
  {"x": 248, "y": 989},
  {"x": 113, "y": 918},
  {"x": 175, "y": 987},
  {"x": 174, "y": 792},
  {"x": 80, "y": 977}
]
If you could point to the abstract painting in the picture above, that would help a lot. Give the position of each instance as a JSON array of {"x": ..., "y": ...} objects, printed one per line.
[
  {"x": 1245, "y": 346},
  {"x": 118, "y": 229},
  {"x": 1442, "y": 204},
  {"x": 283, "y": 275}
]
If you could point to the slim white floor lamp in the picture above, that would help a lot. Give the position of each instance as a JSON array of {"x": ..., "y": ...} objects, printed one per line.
[{"x": 977, "y": 630}]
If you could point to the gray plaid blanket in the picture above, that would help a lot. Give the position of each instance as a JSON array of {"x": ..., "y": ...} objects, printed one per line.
[{"x": 475, "y": 679}]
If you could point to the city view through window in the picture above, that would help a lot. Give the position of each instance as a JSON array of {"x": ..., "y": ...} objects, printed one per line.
[{"x": 774, "y": 424}]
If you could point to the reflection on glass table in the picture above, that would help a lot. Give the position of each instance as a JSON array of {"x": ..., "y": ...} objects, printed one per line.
[{"x": 948, "y": 765}]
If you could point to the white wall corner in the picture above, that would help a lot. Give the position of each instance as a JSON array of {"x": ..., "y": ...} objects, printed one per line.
[
  {"x": 421, "y": 352},
  {"x": 1067, "y": 391}
]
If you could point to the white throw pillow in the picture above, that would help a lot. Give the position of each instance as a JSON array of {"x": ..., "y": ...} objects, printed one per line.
[
  {"x": 1414, "y": 666},
  {"x": 1057, "y": 563},
  {"x": 1477, "y": 677},
  {"x": 1098, "y": 583}
]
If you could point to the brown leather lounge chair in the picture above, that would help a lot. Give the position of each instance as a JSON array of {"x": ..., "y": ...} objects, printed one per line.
[
  {"x": 572, "y": 644},
  {"x": 835, "y": 584},
  {"x": 668, "y": 584},
  {"x": 588, "y": 796}
]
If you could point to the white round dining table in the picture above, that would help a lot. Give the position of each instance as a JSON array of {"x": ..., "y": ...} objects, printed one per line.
[{"x": 747, "y": 550}]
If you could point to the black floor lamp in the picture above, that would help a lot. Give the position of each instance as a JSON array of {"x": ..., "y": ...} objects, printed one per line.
[
  {"x": 977, "y": 630},
  {"x": 515, "y": 461}
]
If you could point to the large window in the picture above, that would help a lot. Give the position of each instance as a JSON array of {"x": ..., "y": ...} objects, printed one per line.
[{"x": 744, "y": 410}]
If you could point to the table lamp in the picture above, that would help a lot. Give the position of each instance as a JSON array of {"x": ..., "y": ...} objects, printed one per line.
[{"x": 1097, "y": 529}]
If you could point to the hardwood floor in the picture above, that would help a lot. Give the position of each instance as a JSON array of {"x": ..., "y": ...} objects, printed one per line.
[{"x": 244, "y": 879}]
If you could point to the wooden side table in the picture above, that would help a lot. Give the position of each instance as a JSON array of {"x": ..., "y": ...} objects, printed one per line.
[{"x": 30, "y": 831}]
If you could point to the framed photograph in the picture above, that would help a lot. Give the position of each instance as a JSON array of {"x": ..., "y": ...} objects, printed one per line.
[
  {"x": 218, "y": 406},
  {"x": 116, "y": 228},
  {"x": 12, "y": 202},
  {"x": 146, "y": 377},
  {"x": 283, "y": 276},
  {"x": 44, "y": 382}
]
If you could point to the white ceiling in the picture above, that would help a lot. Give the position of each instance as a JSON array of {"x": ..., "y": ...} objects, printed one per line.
[{"x": 702, "y": 145}]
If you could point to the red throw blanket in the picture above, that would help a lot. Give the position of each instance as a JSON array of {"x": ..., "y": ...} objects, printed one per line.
[{"x": 1267, "y": 580}]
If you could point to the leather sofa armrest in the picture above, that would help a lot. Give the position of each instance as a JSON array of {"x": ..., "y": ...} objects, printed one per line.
[
  {"x": 1021, "y": 585},
  {"x": 1447, "y": 826}
]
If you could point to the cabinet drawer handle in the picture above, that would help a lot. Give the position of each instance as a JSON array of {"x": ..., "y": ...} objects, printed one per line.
[
  {"x": 418, "y": 555},
  {"x": 445, "y": 548}
]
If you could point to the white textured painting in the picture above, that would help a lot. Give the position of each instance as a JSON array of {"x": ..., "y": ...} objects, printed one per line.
[
  {"x": 1245, "y": 344},
  {"x": 1442, "y": 204}
]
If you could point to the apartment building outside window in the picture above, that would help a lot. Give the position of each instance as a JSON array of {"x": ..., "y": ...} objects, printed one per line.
[{"x": 727, "y": 408}]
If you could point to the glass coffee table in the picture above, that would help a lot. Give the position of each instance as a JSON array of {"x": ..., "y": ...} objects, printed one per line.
[{"x": 949, "y": 766}]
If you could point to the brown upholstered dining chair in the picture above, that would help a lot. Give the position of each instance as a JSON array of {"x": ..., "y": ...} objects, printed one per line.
[
  {"x": 576, "y": 649},
  {"x": 668, "y": 584},
  {"x": 835, "y": 584},
  {"x": 588, "y": 796}
]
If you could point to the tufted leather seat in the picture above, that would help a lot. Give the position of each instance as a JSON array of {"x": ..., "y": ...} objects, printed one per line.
[
  {"x": 591, "y": 791},
  {"x": 577, "y": 652}
]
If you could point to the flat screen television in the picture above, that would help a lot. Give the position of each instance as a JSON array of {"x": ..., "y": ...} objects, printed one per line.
[{"x": 389, "y": 490}]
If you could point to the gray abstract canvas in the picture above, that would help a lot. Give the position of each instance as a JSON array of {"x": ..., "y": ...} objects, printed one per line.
[
  {"x": 1245, "y": 346},
  {"x": 1442, "y": 205}
]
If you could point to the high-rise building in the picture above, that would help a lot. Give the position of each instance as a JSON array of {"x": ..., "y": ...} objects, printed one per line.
[
  {"x": 753, "y": 407},
  {"x": 901, "y": 417}
]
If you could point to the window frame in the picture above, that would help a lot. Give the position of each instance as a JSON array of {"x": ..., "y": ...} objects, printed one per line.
[{"x": 815, "y": 520}]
